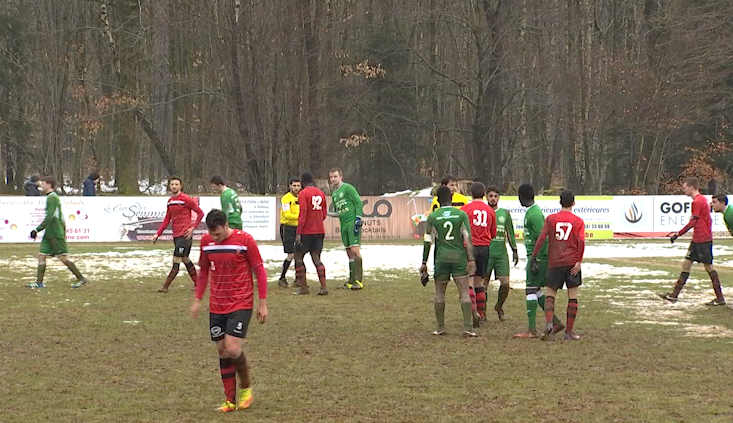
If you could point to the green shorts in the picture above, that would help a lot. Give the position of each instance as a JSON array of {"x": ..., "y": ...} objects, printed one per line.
[
  {"x": 537, "y": 280},
  {"x": 499, "y": 265},
  {"x": 53, "y": 247},
  {"x": 348, "y": 237},
  {"x": 443, "y": 271}
]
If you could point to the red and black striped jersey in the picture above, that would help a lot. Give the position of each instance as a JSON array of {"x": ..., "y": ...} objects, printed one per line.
[{"x": 179, "y": 212}]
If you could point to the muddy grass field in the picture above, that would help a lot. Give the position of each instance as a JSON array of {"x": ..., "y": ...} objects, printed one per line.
[{"x": 116, "y": 350}]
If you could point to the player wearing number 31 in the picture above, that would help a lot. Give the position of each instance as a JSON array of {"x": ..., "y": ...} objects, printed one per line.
[{"x": 566, "y": 234}]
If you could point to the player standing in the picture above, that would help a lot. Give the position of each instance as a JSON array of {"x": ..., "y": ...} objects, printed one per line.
[
  {"x": 348, "y": 207},
  {"x": 230, "y": 204},
  {"x": 289, "y": 210},
  {"x": 448, "y": 227},
  {"x": 230, "y": 256},
  {"x": 457, "y": 199},
  {"x": 566, "y": 234},
  {"x": 483, "y": 230},
  {"x": 720, "y": 205},
  {"x": 180, "y": 206},
  {"x": 53, "y": 243},
  {"x": 701, "y": 247},
  {"x": 310, "y": 233},
  {"x": 534, "y": 220},
  {"x": 498, "y": 256}
]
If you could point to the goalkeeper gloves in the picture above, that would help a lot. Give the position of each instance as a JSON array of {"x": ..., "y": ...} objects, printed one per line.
[
  {"x": 515, "y": 255},
  {"x": 357, "y": 225},
  {"x": 534, "y": 266},
  {"x": 34, "y": 234}
]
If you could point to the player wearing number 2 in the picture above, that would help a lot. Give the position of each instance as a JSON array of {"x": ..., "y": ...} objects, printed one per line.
[
  {"x": 310, "y": 233},
  {"x": 566, "y": 234}
]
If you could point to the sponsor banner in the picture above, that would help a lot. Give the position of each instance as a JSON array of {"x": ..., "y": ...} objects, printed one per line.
[
  {"x": 657, "y": 216},
  {"x": 122, "y": 219}
]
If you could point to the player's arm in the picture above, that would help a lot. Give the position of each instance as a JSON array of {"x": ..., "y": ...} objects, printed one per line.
[
  {"x": 580, "y": 237},
  {"x": 541, "y": 239},
  {"x": 255, "y": 260},
  {"x": 304, "y": 209},
  {"x": 236, "y": 204},
  {"x": 492, "y": 223},
  {"x": 199, "y": 213},
  {"x": 427, "y": 242},
  {"x": 52, "y": 204},
  {"x": 166, "y": 222},
  {"x": 512, "y": 240},
  {"x": 358, "y": 205},
  {"x": 466, "y": 232},
  {"x": 202, "y": 279},
  {"x": 691, "y": 223},
  {"x": 434, "y": 204},
  {"x": 286, "y": 207}
]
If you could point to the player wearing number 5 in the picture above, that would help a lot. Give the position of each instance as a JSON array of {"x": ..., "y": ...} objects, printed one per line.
[
  {"x": 566, "y": 234},
  {"x": 310, "y": 233},
  {"x": 348, "y": 208}
]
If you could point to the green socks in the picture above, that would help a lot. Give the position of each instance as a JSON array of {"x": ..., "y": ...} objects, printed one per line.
[
  {"x": 467, "y": 309},
  {"x": 352, "y": 267},
  {"x": 532, "y": 311},
  {"x": 359, "y": 269},
  {"x": 440, "y": 315},
  {"x": 39, "y": 273},
  {"x": 70, "y": 264}
]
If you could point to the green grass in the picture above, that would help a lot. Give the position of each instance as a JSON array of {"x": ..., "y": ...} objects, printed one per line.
[{"x": 69, "y": 355}]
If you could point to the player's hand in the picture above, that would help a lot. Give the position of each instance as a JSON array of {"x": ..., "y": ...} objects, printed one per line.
[
  {"x": 357, "y": 225},
  {"x": 515, "y": 256},
  {"x": 674, "y": 238},
  {"x": 534, "y": 267},
  {"x": 195, "y": 308},
  {"x": 34, "y": 234},
  {"x": 189, "y": 233},
  {"x": 298, "y": 242},
  {"x": 575, "y": 269},
  {"x": 424, "y": 277},
  {"x": 261, "y": 311},
  {"x": 155, "y": 238},
  {"x": 471, "y": 267},
  {"x": 423, "y": 268}
]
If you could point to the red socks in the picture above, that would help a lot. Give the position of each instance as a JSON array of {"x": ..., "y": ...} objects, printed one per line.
[
  {"x": 572, "y": 312},
  {"x": 228, "y": 378}
]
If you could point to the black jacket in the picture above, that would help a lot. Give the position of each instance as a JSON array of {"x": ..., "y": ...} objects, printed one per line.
[
  {"x": 31, "y": 190},
  {"x": 89, "y": 188}
]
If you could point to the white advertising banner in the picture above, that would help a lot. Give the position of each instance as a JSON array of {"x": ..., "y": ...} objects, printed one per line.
[{"x": 657, "y": 215}]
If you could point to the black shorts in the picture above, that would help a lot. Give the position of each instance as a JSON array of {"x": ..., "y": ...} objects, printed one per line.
[
  {"x": 701, "y": 252},
  {"x": 559, "y": 276},
  {"x": 311, "y": 243},
  {"x": 287, "y": 233},
  {"x": 182, "y": 246},
  {"x": 481, "y": 254},
  {"x": 233, "y": 324}
]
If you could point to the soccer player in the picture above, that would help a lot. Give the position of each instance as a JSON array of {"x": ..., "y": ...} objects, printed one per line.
[
  {"x": 53, "y": 243},
  {"x": 566, "y": 234},
  {"x": 701, "y": 247},
  {"x": 534, "y": 220},
  {"x": 457, "y": 199},
  {"x": 289, "y": 210},
  {"x": 180, "y": 206},
  {"x": 348, "y": 207},
  {"x": 498, "y": 256},
  {"x": 230, "y": 256},
  {"x": 310, "y": 233},
  {"x": 483, "y": 230},
  {"x": 720, "y": 205},
  {"x": 230, "y": 203},
  {"x": 448, "y": 227}
]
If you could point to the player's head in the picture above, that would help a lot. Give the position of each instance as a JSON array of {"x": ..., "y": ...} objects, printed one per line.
[
  {"x": 94, "y": 176},
  {"x": 567, "y": 199},
  {"x": 294, "y": 185},
  {"x": 478, "y": 190},
  {"x": 691, "y": 186},
  {"x": 175, "y": 184},
  {"x": 216, "y": 222},
  {"x": 526, "y": 195},
  {"x": 335, "y": 176},
  {"x": 451, "y": 182},
  {"x": 306, "y": 179},
  {"x": 47, "y": 184},
  {"x": 492, "y": 195},
  {"x": 445, "y": 196},
  {"x": 719, "y": 202},
  {"x": 218, "y": 183}
]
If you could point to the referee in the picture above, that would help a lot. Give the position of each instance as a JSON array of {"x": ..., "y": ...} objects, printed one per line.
[{"x": 289, "y": 211}]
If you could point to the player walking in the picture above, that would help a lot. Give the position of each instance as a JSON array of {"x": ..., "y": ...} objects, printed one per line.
[
  {"x": 289, "y": 210},
  {"x": 566, "y": 234},
  {"x": 310, "y": 233},
  {"x": 483, "y": 230},
  {"x": 230, "y": 256},
  {"x": 457, "y": 199},
  {"x": 701, "y": 247},
  {"x": 53, "y": 243},
  {"x": 348, "y": 207},
  {"x": 534, "y": 220},
  {"x": 498, "y": 256},
  {"x": 180, "y": 206},
  {"x": 230, "y": 204},
  {"x": 448, "y": 227},
  {"x": 720, "y": 205}
]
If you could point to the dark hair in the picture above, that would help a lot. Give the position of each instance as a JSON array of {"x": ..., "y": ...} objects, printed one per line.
[
  {"x": 567, "y": 198},
  {"x": 35, "y": 178},
  {"x": 448, "y": 179},
  {"x": 722, "y": 198},
  {"x": 444, "y": 195},
  {"x": 296, "y": 179},
  {"x": 215, "y": 218},
  {"x": 306, "y": 178},
  {"x": 49, "y": 180},
  {"x": 693, "y": 182},
  {"x": 94, "y": 176},
  {"x": 526, "y": 192},
  {"x": 493, "y": 188},
  {"x": 478, "y": 190},
  {"x": 336, "y": 169},
  {"x": 175, "y": 178},
  {"x": 217, "y": 180}
]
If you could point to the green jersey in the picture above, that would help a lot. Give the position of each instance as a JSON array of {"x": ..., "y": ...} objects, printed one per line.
[
  {"x": 450, "y": 228},
  {"x": 504, "y": 231},
  {"x": 232, "y": 207},
  {"x": 347, "y": 203},
  {"x": 534, "y": 220},
  {"x": 53, "y": 223},
  {"x": 728, "y": 218}
]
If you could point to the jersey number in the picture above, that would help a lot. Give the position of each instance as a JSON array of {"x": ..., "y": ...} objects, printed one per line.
[
  {"x": 449, "y": 236},
  {"x": 562, "y": 230},
  {"x": 482, "y": 218},
  {"x": 317, "y": 203}
]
